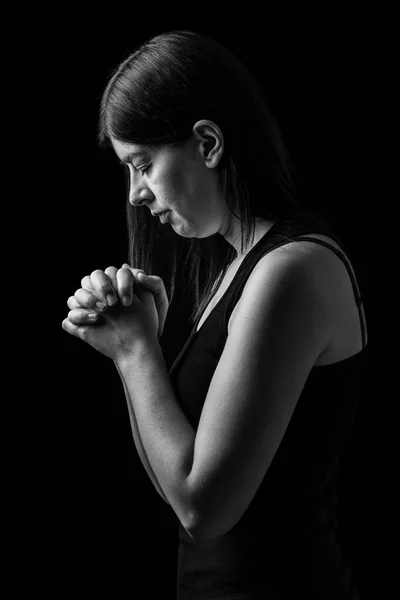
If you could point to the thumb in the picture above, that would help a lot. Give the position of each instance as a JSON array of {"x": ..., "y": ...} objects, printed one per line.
[
  {"x": 155, "y": 284},
  {"x": 135, "y": 272},
  {"x": 151, "y": 279},
  {"x": 131, "y": 268}
]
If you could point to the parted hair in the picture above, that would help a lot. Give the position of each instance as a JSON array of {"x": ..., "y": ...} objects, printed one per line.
[{"x": 154, "y": 97}]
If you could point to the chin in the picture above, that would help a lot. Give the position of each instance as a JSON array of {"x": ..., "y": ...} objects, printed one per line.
[{"x": 184, "y": 228}]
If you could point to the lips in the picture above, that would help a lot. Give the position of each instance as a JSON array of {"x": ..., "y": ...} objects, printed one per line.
[
  {"x": 163, "y": 216},
  {"x": 157, "y": 214}
]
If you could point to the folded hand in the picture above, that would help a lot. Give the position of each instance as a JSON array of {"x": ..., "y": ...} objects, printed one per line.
[{"x": 113, "y": 327}]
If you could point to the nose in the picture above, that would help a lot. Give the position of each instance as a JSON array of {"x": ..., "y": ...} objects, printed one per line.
[{"x": 139, "y": 193}]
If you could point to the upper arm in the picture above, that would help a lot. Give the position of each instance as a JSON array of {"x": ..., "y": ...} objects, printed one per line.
[{"x": 280, "y": 328}]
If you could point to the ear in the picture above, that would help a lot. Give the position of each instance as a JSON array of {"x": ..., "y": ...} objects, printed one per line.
[{"x": 211, "y": 141}]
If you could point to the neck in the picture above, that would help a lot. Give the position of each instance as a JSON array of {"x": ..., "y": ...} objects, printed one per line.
[{"x": 261, "y": 228}]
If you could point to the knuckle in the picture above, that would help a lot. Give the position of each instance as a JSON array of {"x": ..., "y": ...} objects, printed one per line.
[
  {"x": 85, "y": 281},
  {"x": 80, "y": 294},
  {"x": 96, "y": 273},
  {"x": 124, "y": 270},
  {"x": 99, "y": 279},
  {"x": 73, "y": 304},
  {"x": 111, "y": 271},
  {"x": 66, "y": 325},
  {"x": 132, "y": 269},
  {"x": 102, "y": 285}
]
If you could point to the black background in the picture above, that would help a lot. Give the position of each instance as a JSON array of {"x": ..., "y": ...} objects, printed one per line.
[{"x": 101, "y": 525}]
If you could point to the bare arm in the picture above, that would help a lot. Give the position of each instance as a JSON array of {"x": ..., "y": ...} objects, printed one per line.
[
  {"x": 210, "y": 475},
  {"x": 138, "y": 441},
  {"x": 167, "y": 436}
]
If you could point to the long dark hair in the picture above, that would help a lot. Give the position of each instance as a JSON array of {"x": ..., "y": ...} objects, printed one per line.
[{"x": 154, "y": 97}]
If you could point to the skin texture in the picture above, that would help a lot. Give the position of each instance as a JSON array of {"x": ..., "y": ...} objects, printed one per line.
[{"x": 283, "y": 323}]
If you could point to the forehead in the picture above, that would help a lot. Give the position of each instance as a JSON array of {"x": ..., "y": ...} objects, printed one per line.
[{"x": 128, "y": 151}]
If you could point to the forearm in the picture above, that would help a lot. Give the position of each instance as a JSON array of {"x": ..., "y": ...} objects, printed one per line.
[
  {"x": 165, "y": 433},
  {"x": 138, "y": 441}
]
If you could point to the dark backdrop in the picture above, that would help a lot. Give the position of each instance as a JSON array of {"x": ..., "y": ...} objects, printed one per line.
[{"x": 102, "y": 524}]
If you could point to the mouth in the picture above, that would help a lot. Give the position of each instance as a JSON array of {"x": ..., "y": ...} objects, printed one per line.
[
  {"x": 163, "y": 216},
  {"x": 157, "y": 214}
]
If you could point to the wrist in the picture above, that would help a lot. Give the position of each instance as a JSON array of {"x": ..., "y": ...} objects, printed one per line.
[{"x": 137, "y": 352}]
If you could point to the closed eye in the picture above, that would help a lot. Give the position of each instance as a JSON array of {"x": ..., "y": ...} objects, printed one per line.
[{"x": 142, "y": 169}]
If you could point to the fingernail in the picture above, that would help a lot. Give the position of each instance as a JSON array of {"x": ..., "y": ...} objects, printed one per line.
[
  {"x": 92, "y": 316},
  {"x": 111, "y": 300},
  {"x": 126, "y": 301},
  {"x": 101, "y": 305}
]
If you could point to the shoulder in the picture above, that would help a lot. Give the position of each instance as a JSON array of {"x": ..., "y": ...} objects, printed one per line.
[{"x": 299, "y": 275}]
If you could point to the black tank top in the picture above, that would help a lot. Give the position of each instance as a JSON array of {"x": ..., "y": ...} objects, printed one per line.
[{"x": 284, "y": 546}]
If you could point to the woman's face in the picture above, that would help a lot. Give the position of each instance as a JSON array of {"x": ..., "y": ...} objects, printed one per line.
[{"x": 178, "y": 180}]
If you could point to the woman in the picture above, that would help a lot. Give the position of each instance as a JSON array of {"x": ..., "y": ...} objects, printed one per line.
[{"x": 242, "y": 436}]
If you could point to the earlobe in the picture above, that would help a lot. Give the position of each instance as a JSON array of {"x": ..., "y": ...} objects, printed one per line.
[{"x": 211, "y": 141}]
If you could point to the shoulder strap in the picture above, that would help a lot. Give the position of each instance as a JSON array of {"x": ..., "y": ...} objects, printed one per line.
[{"x": 342, "y": 256}]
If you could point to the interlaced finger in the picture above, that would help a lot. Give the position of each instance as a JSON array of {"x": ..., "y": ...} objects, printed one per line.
[
  {"x": 72, "y": 303},
  {"x": 87, "y": 299},
  {"x": 76, "y": 330},
  {"x": 111, "y": 273},
  {"x": 82, "y": 316},
  {"x": 86, "y": 282},
  {"x": 125, "y": 282},
  {"x": 102, "y": 285}
]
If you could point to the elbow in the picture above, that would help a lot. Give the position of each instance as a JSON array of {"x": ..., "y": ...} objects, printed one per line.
[
  {"x": 210, "y": 524},
  {"x": 202, "y": 530},
  {"x": 197, "y": 532},
  {"x": 192, "y": 527},
  {"x": 207, "y": 518}
]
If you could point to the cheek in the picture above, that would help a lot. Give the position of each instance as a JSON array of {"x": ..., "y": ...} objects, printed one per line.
[
  {"x": 181, "y": 190},
  {"x": 183, "y": 187},
  {"x": 169, "y": 182}
]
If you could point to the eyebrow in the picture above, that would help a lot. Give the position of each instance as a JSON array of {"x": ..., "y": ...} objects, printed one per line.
[{"x": 131, "y": 155}]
